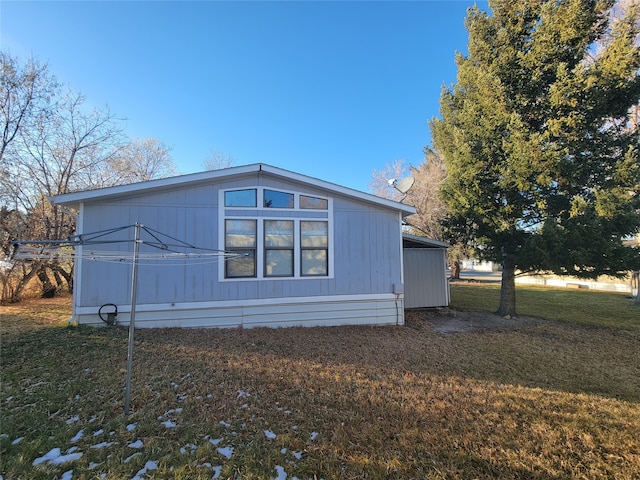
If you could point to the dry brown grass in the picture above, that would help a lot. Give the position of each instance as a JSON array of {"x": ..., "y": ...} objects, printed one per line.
[{"x": 527, "y": 399}]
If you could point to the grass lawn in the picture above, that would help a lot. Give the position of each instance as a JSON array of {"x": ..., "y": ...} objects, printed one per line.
[{"x": 558, "y": 398}]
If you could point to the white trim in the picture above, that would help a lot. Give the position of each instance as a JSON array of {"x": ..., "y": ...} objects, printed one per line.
[
  {"x": 300, "y": 215},
  {"x": 213, "y": 175},
  {"x": 401, "y": 255},
  {"x": 378, "y": 309},
  {"x": 77, "y": 266}
]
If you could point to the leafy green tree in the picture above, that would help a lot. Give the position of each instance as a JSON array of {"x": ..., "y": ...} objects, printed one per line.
[{"x": 543, "y": 170}]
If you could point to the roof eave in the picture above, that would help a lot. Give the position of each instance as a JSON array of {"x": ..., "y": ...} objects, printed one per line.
[{"x": 76, "y": 198}]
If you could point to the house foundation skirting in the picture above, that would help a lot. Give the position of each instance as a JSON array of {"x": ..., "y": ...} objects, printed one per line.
[{"x": 381, "y": 309}]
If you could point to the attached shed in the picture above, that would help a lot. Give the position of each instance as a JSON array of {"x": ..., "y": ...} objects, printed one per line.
[
  {"x": 425, "y": 271},
  {"x": 309, "y": 252}
]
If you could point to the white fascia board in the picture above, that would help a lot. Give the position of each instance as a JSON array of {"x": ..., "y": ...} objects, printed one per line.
[
  {"x": 349, "y": 192},
  {"x": 76, "y": 198}
]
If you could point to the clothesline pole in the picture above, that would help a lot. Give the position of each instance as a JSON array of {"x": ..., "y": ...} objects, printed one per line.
[{"x": 134, "y": 287}]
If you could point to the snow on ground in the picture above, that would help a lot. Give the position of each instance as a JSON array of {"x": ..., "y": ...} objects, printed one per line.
[
  {"x": 150, "y": 465},
  {"x": 169, "y": 420},
  {"x": 131, "y": 457},
  {"x": 282, "y": 475},
  {"x": 226, "y": 452},
  {"x": 102, "y": 445},
  {"x": 217, "y": 470},
  {"x": 55, "y": 457}
]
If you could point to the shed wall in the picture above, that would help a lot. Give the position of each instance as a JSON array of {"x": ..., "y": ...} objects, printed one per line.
[{"x": 425, "y": 271}]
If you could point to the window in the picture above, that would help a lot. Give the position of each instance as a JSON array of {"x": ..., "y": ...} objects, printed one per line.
[
  {"x": 240, "y": 198},
  {"x": 313, "y": 203},
  {"x": 276, "y": 234},
  {"x": 278, "y": 248},
  {"x": 273, "y": 199},
  {"x": 314, "y": 246},
  {"x": 240, "y": 237}
]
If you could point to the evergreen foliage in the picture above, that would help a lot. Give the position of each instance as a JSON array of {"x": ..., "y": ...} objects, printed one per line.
[{"x": 543, "y": 170}]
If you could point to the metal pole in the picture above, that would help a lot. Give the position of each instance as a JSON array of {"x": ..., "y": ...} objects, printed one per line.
[{"x": 134, "y": 285}]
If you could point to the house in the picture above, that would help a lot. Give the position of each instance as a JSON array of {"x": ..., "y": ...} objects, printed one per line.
[{"x": 306, "y": 252}]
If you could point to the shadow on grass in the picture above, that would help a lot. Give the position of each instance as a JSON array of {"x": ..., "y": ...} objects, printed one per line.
[{"x": 385, "y": 402}]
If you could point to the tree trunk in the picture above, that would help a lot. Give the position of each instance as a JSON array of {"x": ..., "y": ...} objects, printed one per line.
[
  {"x": 455, "y": 270},
  {"x": 12, "y": 293},
  {"x": 68, "y": 277},
  {"x": 635, "y": 284},
  {"x": 508, "y": 290},
  {"x": 48, "y": 289}
]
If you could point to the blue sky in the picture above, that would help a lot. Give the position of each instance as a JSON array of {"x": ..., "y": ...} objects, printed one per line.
[{"x": 329, "y": 89}]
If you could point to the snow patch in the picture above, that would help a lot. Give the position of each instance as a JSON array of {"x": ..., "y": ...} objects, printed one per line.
[
  {"x": 131, "y": 457},
  {"x": 188, "y": 448},
  {"x": 102, "y": 445},
  {"x": 282, "y": 475},
  {"x": 77, "y": 436},
  {"x": 226, "y": 452},
  {"x": 51, "y": 454},
  {"x": 150, "y": 465},
  {"x": 55, "y": 457},
  {"x": 136, "y": 444},
  {"x": 73, "y": 419},
  {"x": 269, "y": 434}
]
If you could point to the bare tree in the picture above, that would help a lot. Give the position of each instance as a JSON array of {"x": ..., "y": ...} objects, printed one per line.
[
  {"x": 24, "y": 92},
  {"x": 381, "y": 180},
  {"x": 424, "y": 195},
  {"x": 218, "y": 160},
  {"x": 141, "y": 160},
  {"x": 61, "y": 148}
]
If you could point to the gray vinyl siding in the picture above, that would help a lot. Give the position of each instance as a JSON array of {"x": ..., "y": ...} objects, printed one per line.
[{"x": 367, "y": 249}]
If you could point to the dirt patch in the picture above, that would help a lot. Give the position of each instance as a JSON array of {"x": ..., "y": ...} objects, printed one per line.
[{"x": 447, "y": 321}]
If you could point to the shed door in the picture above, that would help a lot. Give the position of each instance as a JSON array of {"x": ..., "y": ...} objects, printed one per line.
[{"x": 425, "y": 278}]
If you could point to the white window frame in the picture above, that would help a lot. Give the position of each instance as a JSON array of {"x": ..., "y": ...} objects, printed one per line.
[{"x": 262, "y": 213}]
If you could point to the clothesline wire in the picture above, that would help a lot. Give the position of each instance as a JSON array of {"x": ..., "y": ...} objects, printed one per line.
[{"x": 44, "y": 249}]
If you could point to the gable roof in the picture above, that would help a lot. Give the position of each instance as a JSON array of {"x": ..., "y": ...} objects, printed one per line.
[{"x": 76, "y": 198}]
